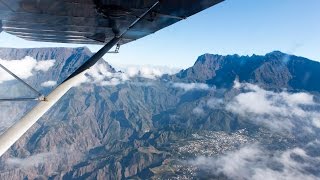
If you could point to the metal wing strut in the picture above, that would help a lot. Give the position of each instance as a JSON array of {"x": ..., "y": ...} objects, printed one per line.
[{"x": 13, "y": 133}]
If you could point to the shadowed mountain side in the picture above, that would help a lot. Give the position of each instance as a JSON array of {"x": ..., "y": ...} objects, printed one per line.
[{"x": 275, "y": 70}]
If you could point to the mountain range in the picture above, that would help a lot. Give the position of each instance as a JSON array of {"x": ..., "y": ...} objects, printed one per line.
[{"x": 226, "y": 117}]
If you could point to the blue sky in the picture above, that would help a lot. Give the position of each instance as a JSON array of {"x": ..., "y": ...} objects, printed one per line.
[{"x": 233, "y": 27}]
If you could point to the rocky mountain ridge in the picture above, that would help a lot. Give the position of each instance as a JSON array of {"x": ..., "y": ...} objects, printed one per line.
[
  {"x": 275, "y": 70},
  {"x": 145, "y": 128}
]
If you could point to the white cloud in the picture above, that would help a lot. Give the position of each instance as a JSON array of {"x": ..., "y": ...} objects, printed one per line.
[
  {"x": 253, "y": 102},
  {"x": 146, "y": 71},
  {"x": 145, "y": 84},
  {"x": 49, "y": 83},
  {"x": 316, "y": 121},
  {"x": 253, "y": 162},
  {"x": 191, "y": 86},
  {"x": 279, "y": 111},
  {"x": 215, "y": 103},
  {"x": 100, "y": 75},
  {"x": 57, "y": 157},
  {"x": 111, "y": 82},
  {"x": 234, "y": 164},
  {"x": 44, "y": 65},
  {"x": 23, "y": 68},
  {"x": 236, "y": 84},
  {"x": 30, "y": 161},
  {"x": 198, "y": 110}
]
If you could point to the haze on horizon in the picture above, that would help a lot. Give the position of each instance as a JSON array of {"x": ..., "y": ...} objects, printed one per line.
[{"x": 232, "y": 27}]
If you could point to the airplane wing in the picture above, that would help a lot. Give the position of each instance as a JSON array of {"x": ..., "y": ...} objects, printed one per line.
[
  {"x": 92, "y": 21},
  {"x": 107, "y": 22}
]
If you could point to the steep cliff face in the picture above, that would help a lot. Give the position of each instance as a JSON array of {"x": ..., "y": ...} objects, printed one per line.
[{"x": 144, "y": 128}]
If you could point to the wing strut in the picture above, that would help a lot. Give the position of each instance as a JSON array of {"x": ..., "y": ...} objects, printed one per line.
[{"x": 8, "y": 138}]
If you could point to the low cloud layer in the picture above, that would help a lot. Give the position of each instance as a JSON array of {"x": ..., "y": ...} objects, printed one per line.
[
  {"x": 215, "y": 103},
  {"x": 49, "y": 83},
  {"x": 23, "y": 68},
  {"x": 147, "y": 71},
  {"x": 191, "y": 86},
  {"x": 254, "y": 162},
  {"x": 57, "y": 158},
  {"x": 31, "y": 161},
  {"x": 198, "y": 110},
  {"x": 99, "y": 74},
  {"x": 279, "y": 111}
]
